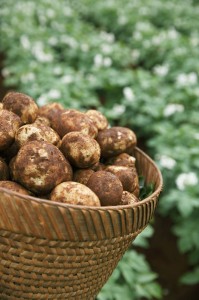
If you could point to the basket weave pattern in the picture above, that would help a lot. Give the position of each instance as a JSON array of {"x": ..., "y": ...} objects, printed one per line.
[{"x": 55, "y": 251}]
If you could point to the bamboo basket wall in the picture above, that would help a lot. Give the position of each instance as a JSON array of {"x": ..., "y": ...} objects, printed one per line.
[{"x": 54, "y": 251}]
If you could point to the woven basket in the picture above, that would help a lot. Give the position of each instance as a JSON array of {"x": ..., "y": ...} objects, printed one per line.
[{"x": 54, "y": 251}]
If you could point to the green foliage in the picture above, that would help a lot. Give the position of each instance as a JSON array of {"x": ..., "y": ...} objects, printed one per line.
[
  {"x": 132, "y": 279},
  {"x": 137, "y": 62}
]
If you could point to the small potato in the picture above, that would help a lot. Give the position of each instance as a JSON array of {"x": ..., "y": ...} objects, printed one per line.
[
  {"x": 4, "y": 170},
  {"x": 116, "y": 140},
  {"x": 107, "y": 187},
  {"x": 9, "y": 124},
  {"x": 73, "y": 120},
  {"x": 74, "y": 193},
  {"x": 82, "y": 175},
  {"x": 22, "y": 105},
  {"x": 127, "y": 176},
  {"x": 52, "y": 112},
  {"x": 40, "y": 166},
  {"x": 36, "y": 132},
  {"x": 128, "y": 198},
  {"x": 98, "y": 119},
  {"x": 13, "y": 186},
  {"x": 80, "y": 149},
  {"x": 122, "y": 159}
]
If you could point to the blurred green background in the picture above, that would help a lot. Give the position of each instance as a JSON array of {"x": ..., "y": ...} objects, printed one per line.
[{"x": 137, "y": 61}]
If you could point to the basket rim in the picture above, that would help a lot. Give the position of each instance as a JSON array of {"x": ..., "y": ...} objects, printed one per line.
[{"x": 86, "y": 207}]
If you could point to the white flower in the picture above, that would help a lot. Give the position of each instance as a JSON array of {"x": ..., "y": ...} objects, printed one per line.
[
  {"x": 107, "y": 61},
  {"x": 98, "y": 60},
  {"x": 187, "y": 79},
  {"x": 85, "y": 47},
  {"x": 50, "y": 13},
  {"x": 108, "y": 37},
  {"x": 172, "y": 34},
  {"x": 57, "y": 70},
  {"x": 172, "y": 108},
  {"x": 161, "y": 70},
  {"x": 42, "y": 100},
  {"x": 167, "y": 162},
  {"x": 39, "y": 53},
  {"x": 122, "y": 20},
  {"x": 67, "y": 79},
  {"x": 53, "y": 41},
  {"x": 25, "y": 42},
  {"x": 119, "y": 109},
  {"x": 135, "y": 54},
  {"x": 54, "y": 94},
  {"x": 128, "y": 94},
  {"x": 70, "y": 41},
  {"x": 196, "y": 136},
  {"x": 186, "y": 179},
  {"x": 5, "y": 72},
  {"x": 137, "y": 35},
  {"x": 27, "y": 77},
  {"x": 106, "y": 48}
]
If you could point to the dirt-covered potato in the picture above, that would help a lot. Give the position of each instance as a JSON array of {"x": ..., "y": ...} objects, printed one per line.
[
  {"x": 4, "y": 170},
  {"x": 82, "y": 175},
  {"x": 13, "y": 186},
  {"x": 22, "y": 105},
  {"x": 98, "y": 119},
  {"x": 80, "y": 149},
  {"x": 40, "y": 166},
  {"x": 123, "y": 159},
  {"x": 73, "y": 120},
  {"x": 126, "y": 175},
  {"x": 9, "y": 124},
  {"x": 128, "y": 198},
  {"x": 74, "y": 193},
  {"x": 42, "y": 121},
  {"x": 116, "y": 140},
  {"x": 107, "y": 187},
  {"x": 36, "y": 132},
  {"x": 52, "y": 111}
]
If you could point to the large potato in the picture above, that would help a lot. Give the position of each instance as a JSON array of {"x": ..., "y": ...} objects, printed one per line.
[
  {"x": 74, "y": 193},
  {"x": 80, "y": 149},
  {"x": 98, "y": 119},
  {"x": 52, "y": 111},
  {"x": 73, "y": 120},
  {"x": 127, "y": 176},
  {"x": 22, "y": 105},
  {"x": 107, "y": 187},
  {"x": 9, "y": 124},
  {"x": 116, "y": 140},
  {"x": 36, "y": 132},
  {"x": 40, "y": 166}
]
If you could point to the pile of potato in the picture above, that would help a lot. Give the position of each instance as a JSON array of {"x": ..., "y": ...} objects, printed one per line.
[{"x": 65, "y": 155}]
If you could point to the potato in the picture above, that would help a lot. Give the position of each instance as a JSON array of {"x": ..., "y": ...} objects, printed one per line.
[
  {"x": 36, "y": 132},
  {"x": 1, "y": 105},
  {"x": 74, "y": 193},
  {"x": 52, "y": 112},
  {"x": 82, "y": 175},
  {"x": 98, "y": 167},
  {"x": 107, "y": 187},
  {"x": 4, "y": 170},
  {"x": 80, "y": 149},
  {"x": 127, "y": 176},
  {"x": 128, "y": 198},
  {"x": 22, "y": 105},
  {"x": 9, "y": 124},
  {"x": 122, "y": 159},
  {"x": 15, "y": 187},
  {"x": 40, "y": 166},
  {"x": 116, "y": 140},
  {"x": 73, "y": 120},
  {"x": 99, "y": 120},
  {"x": 42, "y": 121}
]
